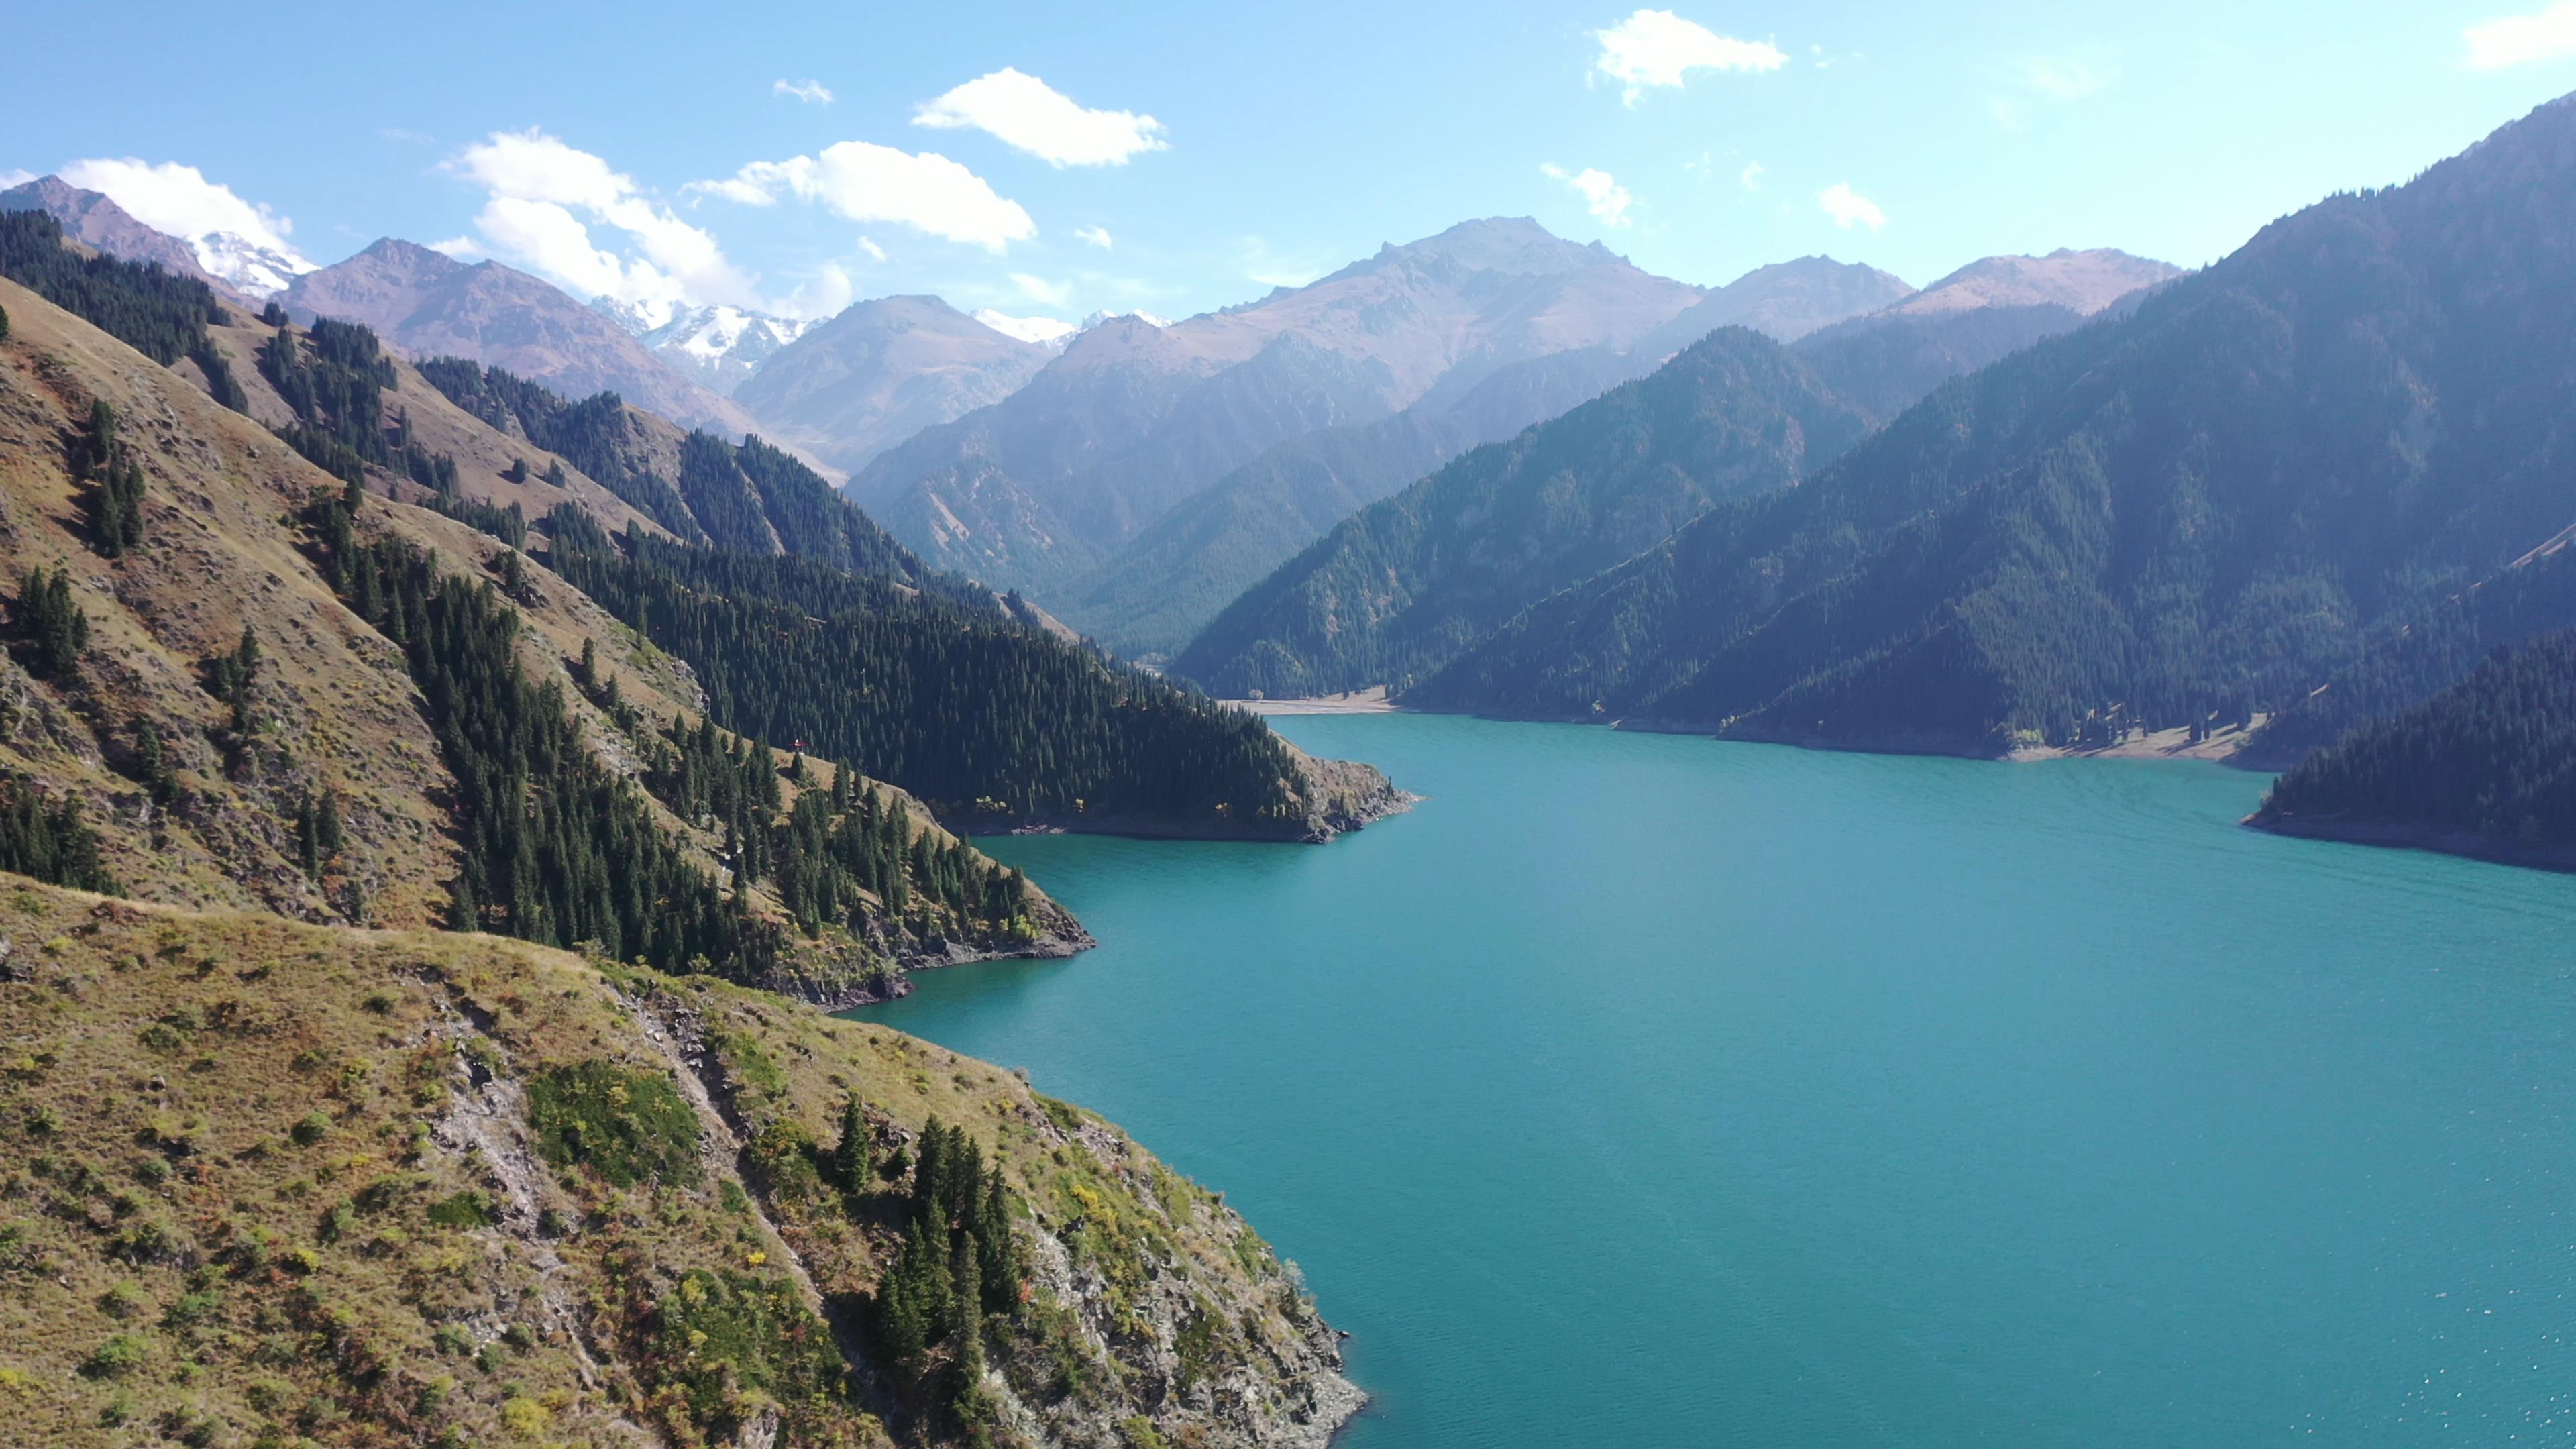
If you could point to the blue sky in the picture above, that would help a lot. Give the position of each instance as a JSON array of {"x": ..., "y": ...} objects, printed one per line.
[{"x": 652, "y": 148}]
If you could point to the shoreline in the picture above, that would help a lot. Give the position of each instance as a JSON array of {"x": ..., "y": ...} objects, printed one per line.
[
  {"x": 1371, "y": 700},
  {"x": 2466, "y": 845}
]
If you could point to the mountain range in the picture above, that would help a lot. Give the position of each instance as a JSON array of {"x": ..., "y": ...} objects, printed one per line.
[
  {"x": 286, "y": 652},
  {"x": 718, "y": 346},
  {"x": 1133, "y": 417},
  {"x": 430, "y": 304},
  {"x": 849, "y": 388},
  {"x": 2182, "y": 517},
  {"x": 1398, "y": 587}
]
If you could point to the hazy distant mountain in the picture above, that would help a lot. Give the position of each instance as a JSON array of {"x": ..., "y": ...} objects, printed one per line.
[
  {"x": 92, "y": 219},
  {"x": 1051, "y": 333},
  {"x": 431, "y": 305},
  {"x": 1398, "y": 589},
  {"x": 720, "y": 347},
  {"x": 1888, "y": 359},
  {"x": 1784, "y": 301},
  {"x": 1161, "y": 587},
  {"x": 2192, "y": 513},
  {"x": 881, "y": 371},
  {"x": 1134, "y": 418},
  {"x": 2084, "y": 282}
]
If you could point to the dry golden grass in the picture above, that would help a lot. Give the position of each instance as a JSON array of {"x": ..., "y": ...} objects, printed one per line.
[{"x": 236, "y": 1147}]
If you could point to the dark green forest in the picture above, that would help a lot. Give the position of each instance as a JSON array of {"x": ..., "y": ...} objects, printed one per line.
[
  {"x": 2493, "y": 756},
  {"x": 751, "y": 497},
  {"x": 560, "y": 849},
  {"x": 2428, "y": 653},
  {"x": 969, "y": 710},
  {"x": 160, "y": 315},
  {"x": 593, "y": 433}
]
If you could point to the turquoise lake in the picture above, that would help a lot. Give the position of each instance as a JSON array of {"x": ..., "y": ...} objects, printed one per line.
[{"x": 1644, "y": 1090}]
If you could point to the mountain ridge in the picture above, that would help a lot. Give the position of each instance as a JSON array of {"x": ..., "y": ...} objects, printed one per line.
[
  {"x": 431, "y": 305},
  {"x": 1132, "y": 418},
  {"x": 2097, "y": 534}
]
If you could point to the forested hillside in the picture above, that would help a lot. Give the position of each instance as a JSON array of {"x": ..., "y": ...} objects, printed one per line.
[
  {"x": 2429, "y": 652},
  {"x": 697, "y": 486},
  {"x": 322, "y": 1172},
  {"x": 1395, "y": 591},
  {"x": 200, "y": 720},
  {"x": 2185, "y": 517},
  {"x": 2486, "y": 766},
  {"x": 986, "y": 718}
]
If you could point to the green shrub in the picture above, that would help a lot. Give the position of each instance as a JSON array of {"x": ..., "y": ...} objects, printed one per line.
[
  {"x": 471, "y": 1208},
  {"x": 783, "y": 1159},
  {"x": 718, "y": 1334},
  {"x": 120, "y": 1355},
  {"x": 628, "y": 1127},
  {"x": 1139, "y": 1432},
  {"x": 313, "y": 1127},
  {"x": 193, "y": 1309}
]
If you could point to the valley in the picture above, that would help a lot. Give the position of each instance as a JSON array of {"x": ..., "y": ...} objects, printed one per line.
[{"x": 606, "y": 765}]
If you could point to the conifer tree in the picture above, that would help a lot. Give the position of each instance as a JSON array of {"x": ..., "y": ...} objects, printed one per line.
[
  {"x": 851, "y": 1157},
  {"x": 998, "y": 1261},
  {"x": 51, "y": 621},
  {"x": 966, "y": 1306}
]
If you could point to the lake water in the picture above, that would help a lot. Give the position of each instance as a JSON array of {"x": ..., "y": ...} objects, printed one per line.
[{"x": 1640, "y": 1090}]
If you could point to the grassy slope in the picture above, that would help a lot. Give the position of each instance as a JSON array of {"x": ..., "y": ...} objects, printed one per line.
[
  {"x": 336, "y": 708},
  {"x": 226, "y": 1136}
]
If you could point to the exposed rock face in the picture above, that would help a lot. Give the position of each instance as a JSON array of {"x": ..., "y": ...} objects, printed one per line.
[{"x": 429, "y": 304}]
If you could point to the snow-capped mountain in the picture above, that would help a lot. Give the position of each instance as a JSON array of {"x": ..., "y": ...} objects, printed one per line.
[
  {"x": 1049, "y": 332},
  {"x": 1096, "y": 318},
  {"x": 246, "y": 266},
  {"x": 718, "y": 346}
]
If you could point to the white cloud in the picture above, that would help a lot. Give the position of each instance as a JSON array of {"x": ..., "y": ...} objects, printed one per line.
[
  {"x": 15, "y": 177},
  {"x": 1659, "y": 48},
  {"x": 872, "y": 249},
  {"x": 2067, "y": 77},
  {"x": 180, "y": 200},
  {"x": 2520, "y": 39},
  {"x": 552, "y": 242},
  {"x": 1268, "y": 268},
  {"x": 463, "y": 248},
  {"x": 1039, "y": 289},
  {"x": 823, "y": 294},
  {"x": 1032, "y": 116},
  {"x": 545, "y": 196},
  {"x": 1097, "y": 236},
  {"x": 867, "y": 182},
  {"x": 812, "y": 92},
  {"x": 1605, "y": 198},
  {"x": 1849, "y": 208},
  {"x": 1040, "y": 330},
  {"x": 1750, "y": 178}
]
